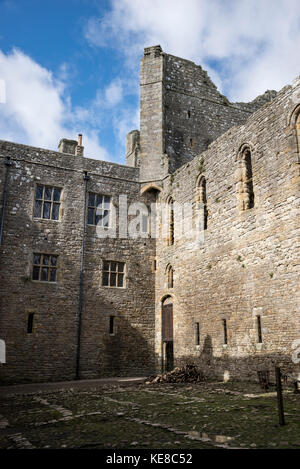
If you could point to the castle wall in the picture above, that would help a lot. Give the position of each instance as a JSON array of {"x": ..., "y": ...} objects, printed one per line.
[
  {"x": 242, "y": 266},
  {"x": 248, "y": 263},
  {"x": 49, "y": 352}
]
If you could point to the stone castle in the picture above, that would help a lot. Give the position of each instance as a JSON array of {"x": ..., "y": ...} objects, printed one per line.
[{"x": 82, "y": 298}]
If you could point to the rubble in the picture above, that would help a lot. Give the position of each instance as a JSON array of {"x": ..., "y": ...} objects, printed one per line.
[{"x": 186, "y": 374}]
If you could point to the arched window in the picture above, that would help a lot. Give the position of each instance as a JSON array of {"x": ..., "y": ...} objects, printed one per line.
[
  {"x": 298, "y": 129},
  {"x": 294, "y": 123},
  {"x": 201, "y": 200},
  {"x": 169, "y": 276},
  {"x": 170, "y": 204},
  {"x": 244, "y": 179}
]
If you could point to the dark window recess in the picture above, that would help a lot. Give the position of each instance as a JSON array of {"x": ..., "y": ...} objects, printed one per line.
[
  {"x": 30, "y": 323},
  {"x": 171, "y": 222},
  {"x": 259, "y": 334},
  {"x": 44, "y": 267},
  {"x": 197, "y": 333},
  {"x": 225, "y": 331},
  {"x": 113, "y": 274},
  {"x": 111, "y": 324},
  {"x": 47, "y": 202},
  {"x": 98, "y": 209},
  {"x": 154, "y": 264},
  {"x": 189, "y": 114}
]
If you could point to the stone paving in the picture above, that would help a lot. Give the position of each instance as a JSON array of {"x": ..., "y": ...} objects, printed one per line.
[{"x": 120, "y": 414}]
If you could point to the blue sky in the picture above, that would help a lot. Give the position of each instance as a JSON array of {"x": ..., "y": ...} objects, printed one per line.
[{"x": 72, "y": 66}]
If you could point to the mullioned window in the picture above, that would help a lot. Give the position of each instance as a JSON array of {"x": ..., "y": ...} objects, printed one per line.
[
  {"x": 113, "y": 274},
  {"x": 47, "y": 202},
  {"x": 99, "y": 209}
]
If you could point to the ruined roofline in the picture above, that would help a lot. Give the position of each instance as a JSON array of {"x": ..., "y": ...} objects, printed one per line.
[{"x": 239, "y": 104}]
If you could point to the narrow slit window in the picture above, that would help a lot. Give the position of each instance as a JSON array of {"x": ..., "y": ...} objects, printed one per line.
[
  {"x": 171, "y": 221},
  {"x": 225, "y": 331},
  {"x": 170, "y": 276},
  {"x": 30, "y": 323},
  {"x": 202, "y": 200},
  {"x": 244, "y": 174},
  {"x": 259, "y": 333},
  {"x": 111, "y": 325},
  {"x": 197, "y": 331}
]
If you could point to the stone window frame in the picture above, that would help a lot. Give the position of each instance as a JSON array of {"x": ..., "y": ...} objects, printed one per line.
[
  {"x": 169, "y": 277},
  {"x": 259, "y": 337},
  {"x": 41, "y": 265},
  {"x": 244, "y": 178},
  {"x": 154, "y": 265},
  {"x": 225, "y": 335},
  {"x": 29, "y": 312},
  {"x": 197, "y": 333},
  {"x": 201, "y": 199},
  {"x": 95, "y": 208},
  {"x": 50, "y": 201},
  {"x": 117, "y": 273},
  {"x": 294, "y": 125},
  {"x": 112, "y": 324},
  {"x": 170, "y": 221}
]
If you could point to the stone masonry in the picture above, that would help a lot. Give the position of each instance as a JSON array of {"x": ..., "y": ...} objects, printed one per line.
[{"x": 223, "y": 295}]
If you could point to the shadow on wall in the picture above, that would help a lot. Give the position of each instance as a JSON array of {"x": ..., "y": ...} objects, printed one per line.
[
  {"x": 126, "y": 352},
  {"x": 244, "y": 368}
]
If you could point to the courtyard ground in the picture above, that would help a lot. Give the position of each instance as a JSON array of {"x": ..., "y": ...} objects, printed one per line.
[{"x": 133, "y": 415}]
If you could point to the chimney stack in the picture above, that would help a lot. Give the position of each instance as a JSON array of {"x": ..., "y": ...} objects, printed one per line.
[{"x": 79, "y": 148}]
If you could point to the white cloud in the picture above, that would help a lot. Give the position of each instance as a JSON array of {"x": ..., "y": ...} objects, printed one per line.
[
  {"x": 247, "y": 46},
  {"x": 114, "y": 93},
  {"x": 37, "y": 110},
  {"x": 126, "y": 121}
]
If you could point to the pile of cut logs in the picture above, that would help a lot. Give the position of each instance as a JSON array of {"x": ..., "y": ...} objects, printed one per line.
[{"x": 186, "y": 374}]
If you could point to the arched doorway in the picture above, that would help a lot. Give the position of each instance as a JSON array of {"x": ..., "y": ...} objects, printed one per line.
[{"x": 167, "y": 334}]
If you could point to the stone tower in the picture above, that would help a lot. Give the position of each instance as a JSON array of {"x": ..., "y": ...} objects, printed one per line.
[{"x": 181, "y": 113}]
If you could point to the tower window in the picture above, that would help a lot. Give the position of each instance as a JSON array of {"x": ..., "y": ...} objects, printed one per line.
[
  {"x": 245, "y": 180},
  {"x": 259, "y": 332},
  {"x": 30, "y": 323},
  {"x": 111, "y": 325},
  {"x": 197, "y": 332},
  {"x": 171, "y": 221},
  {"x": 201, "y": 199},
  {"x": 170, "y": 276},
  {"x": 189, "y": 114},
  {"x": 225, "y": 331}
]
